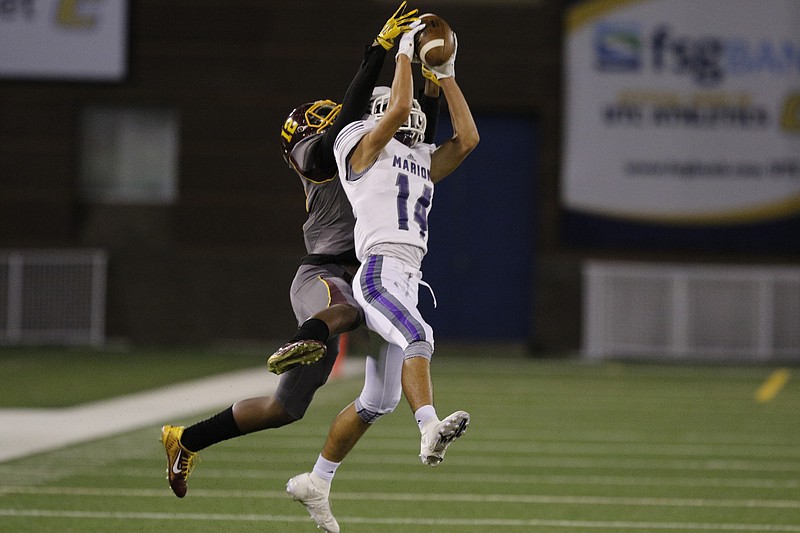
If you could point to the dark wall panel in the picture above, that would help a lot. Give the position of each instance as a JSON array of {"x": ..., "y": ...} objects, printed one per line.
[{"x": 218, "y": 263}]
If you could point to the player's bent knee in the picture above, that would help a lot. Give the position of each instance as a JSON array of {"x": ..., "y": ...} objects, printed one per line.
[
  {"x": 367, "y": 416},
  {"x": 370, "y": 415},
  {"x": 418, "y": 349}
]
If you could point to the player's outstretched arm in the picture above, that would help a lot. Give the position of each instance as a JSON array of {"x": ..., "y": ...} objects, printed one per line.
[
  {"x": 465, "y": 137},
  {"x": 356, "y": 99},
  {"x": 397, "y": 110},
  {"x": 429, "y": 101}
]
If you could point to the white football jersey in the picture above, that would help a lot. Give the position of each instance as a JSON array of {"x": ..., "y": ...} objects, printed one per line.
[{"x": 392, "y": 198}]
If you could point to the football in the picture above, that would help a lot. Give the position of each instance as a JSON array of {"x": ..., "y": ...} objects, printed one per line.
[{"x": 435, "y": 43}]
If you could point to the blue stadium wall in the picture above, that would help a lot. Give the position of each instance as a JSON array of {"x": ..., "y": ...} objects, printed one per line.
[
  {"x": 593, "y": 231},
  {"x": 481, "y": 258}
]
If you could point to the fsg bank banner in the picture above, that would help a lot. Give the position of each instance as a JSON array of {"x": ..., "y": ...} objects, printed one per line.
[
  {"x": 64, "y": 39},
  {"x": 682, "y": 112}
]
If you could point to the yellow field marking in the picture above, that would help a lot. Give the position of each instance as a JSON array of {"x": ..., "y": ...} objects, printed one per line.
[{"x": 772, "y": 386}]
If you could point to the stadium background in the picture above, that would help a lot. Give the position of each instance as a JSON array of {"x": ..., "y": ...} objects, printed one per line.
[{"x": 215, "y": 265}]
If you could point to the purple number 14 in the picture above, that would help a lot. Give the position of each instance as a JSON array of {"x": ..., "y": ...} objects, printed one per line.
[{"x": 421, "y": 206}]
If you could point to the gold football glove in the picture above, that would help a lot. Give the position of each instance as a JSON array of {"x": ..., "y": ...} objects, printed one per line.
[
  {"x": 397, "y": 24},
  {"x": 429, "y": 75}
]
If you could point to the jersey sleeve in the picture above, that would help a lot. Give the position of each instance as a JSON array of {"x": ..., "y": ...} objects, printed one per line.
[
  {"x": 356, "y": 100},
  {"x": 346, "y": 142},
  {"x": 304, "y": 155}
]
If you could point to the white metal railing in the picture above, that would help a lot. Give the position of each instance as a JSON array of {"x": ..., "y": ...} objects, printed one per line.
[
  {"x": 52, "y": 297},
  {"x": 690, "y": 311}
]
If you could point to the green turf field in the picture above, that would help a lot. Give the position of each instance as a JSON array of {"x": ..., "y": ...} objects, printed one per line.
[
  {"x": 76, "y": 376},
  {"x": 554, "y": 446}
]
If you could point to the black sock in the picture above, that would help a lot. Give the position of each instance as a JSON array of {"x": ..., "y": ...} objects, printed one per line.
[
  {"x": 219, "y": 427},
  {"x": 312, "y": 329}
]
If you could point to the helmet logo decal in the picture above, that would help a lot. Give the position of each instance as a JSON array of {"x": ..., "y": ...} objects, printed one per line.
[{"x": 289, "y": 127}]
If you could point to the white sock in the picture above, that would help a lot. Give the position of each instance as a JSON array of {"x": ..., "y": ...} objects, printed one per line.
[
  {"x": 423, "y": 414},
  {"x": 324, "y": 469}
]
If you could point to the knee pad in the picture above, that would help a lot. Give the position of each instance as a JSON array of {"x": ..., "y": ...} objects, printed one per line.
[
  {"x": 418, "y": 349},
  {"x": 368, "y": 415}
]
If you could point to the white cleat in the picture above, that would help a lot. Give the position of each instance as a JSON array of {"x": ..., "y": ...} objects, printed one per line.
[
  {"x": 314, "y": 495},
  {"x": 437, "y": 436}
]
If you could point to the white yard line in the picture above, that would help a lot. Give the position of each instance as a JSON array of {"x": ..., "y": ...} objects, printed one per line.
[
  {"x": 30, "y": 431},
  {"x": 537, "y": 499},
  {"x": 463, "y": 522}
]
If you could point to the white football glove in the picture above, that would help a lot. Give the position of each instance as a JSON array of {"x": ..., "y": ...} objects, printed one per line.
[
  {"x": 448, "y": 68},
  {"x": 406, "y": 44}
]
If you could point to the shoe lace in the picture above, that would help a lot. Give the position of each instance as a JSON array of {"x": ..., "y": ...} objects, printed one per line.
[{"x": 188, "y": 461}]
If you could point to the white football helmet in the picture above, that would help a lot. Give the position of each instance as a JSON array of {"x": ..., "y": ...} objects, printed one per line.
[{"x": 410, "y": 133}]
